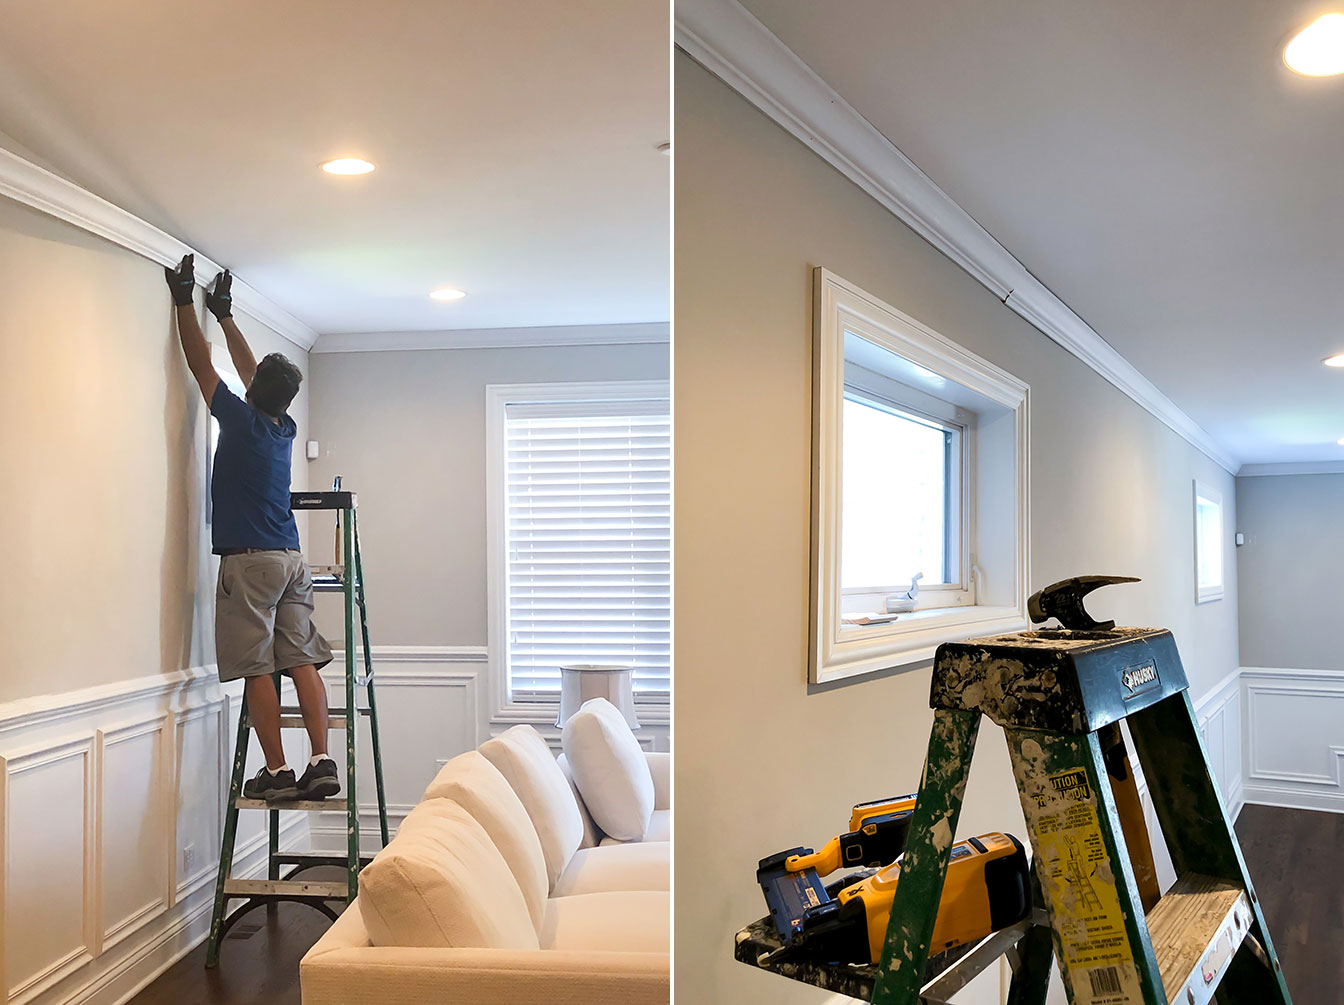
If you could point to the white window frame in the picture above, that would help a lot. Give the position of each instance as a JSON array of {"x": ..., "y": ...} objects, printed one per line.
[
  {"x": 497, "y": 398},
  {"x": 1207, "y": 493},
  {"x": 997, "y": 570}
]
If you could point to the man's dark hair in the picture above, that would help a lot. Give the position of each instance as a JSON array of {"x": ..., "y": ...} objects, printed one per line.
[{"x": 274, "y": 386}]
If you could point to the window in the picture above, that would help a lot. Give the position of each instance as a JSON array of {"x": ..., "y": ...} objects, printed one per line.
[
  {"x": 901, "y": 498},
  {"x": 580, "y": 536},
  {"x": 1208, "y": 544},
  {"x": 919, "y": 504}
]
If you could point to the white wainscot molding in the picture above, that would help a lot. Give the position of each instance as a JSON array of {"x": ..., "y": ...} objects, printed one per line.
[
  {"x": 112, "y": 799},
  {"x": 430, "y": 709},
  {"x": 1219, "y": 717},
  {"x": 1294, "y": 737}
]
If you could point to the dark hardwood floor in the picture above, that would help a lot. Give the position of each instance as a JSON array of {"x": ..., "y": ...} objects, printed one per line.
[
  {"x": 1296, "y": 861},
  {"x": 258, "y": 962}
]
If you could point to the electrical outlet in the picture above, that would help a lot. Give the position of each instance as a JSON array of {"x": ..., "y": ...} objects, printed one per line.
[{"x": 189, "y": 860}]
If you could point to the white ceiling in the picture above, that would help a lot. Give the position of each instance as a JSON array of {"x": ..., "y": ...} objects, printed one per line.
[
  {"x": 515, "y": 143},
  {"x": 1153, "y": 164}
]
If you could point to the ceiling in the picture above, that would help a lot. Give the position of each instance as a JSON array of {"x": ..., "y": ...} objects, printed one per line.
[
  {"x": 1154, "y": 164},
  {"x": 515, "y": 143}
]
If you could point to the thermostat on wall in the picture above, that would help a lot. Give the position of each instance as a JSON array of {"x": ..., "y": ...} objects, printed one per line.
[{"x": 312, "y": 451}]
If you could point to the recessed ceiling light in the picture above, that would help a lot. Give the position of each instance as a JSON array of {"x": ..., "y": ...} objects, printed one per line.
[
  {"x": 1340, "y": 441},
  {"x": 347, "y": 165},
  {"x": 1336, "y": 360},
  {"x": 1318, "y": 49},
  {"x": 447, "y": 293}
]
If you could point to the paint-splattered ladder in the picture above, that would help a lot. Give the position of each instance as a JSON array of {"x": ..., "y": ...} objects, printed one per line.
[
  {"x": 1060, "y": 696},
  {"x": 347, "y": 578}
]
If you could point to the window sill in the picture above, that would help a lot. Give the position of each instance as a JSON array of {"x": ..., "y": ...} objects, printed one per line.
[
  {"x": 911, "y": 641},
  {"x": 544, "y": 713}
]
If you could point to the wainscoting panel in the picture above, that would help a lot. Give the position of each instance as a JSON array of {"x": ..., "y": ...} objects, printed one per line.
[
  {"x": 112, "y": 800},
  {"x": 1294, "y": 737},
  {"x": 1219, "y": 716},
  {"x": 429, "y": 711}
]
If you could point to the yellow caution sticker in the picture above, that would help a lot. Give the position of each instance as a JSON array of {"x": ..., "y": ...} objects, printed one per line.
[{"x": 1078, "y": 881}]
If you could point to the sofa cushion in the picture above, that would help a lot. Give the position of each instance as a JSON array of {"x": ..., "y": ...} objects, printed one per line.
[
  {"x": 591, "y": 835},
  {"x": 641, "y": 865},
  {"x": 476, "y": 785},
  {"x": 633, "y": 921},
  {"x": 441, "y": 882},
  {"x": 522, "y": 757},
  {"x": 660, "y": 829},
  {"x": 610, "y": 769}
]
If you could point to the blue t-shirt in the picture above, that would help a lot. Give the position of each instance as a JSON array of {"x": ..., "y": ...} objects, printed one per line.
[{"x": 250, "y": 484}]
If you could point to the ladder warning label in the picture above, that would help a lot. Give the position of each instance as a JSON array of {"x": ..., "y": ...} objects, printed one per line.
[{"x": 1078, "y": 881}]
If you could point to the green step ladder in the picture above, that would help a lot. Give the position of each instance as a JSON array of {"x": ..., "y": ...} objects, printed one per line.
[
  {"x": 1061, "y": 695},
  {"x": 348, "y": 578}
]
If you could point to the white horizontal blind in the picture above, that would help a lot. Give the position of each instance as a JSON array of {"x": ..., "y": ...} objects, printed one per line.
[{"x": 588, "y": 507}]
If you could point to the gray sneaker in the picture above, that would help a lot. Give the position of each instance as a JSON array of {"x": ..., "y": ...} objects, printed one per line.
[
  {"x": 271, "y": 787},
  {"x": 320, "y": 780}
]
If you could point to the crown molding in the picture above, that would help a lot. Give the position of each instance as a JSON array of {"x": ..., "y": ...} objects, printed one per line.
[
  {"x": 1292, "y": 468},
  {"x": 495, "y": 338},
  {"x": 34, "y": 186},
  {"x": 728, "y": 41}
]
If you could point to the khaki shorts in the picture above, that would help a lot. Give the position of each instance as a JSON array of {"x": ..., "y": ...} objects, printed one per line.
[{"x": 264, "y": 615}]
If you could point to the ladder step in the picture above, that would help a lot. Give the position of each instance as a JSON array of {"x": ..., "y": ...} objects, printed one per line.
[
  {"x": 285, "y": 888},
  {"x": 1196, "y": 929},
  {"x": 296, "y": 722},
  {"x": 333, "y": 712},
  {"x": 308, "y": 805},
  {"x": 312, "y": 859}
]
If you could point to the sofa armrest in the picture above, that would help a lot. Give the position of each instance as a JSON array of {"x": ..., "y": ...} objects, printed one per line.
[
  {"x": 660, "y": 766},
  {"x": 370, "y": 975}
]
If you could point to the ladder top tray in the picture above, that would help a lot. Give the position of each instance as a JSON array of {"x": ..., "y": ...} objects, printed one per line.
[
  {"x": 854, "y": 980},
  {"x": 1056, "y": 679}
]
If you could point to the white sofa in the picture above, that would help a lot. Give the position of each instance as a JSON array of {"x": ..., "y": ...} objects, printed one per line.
[{"x": 500, "y": 887}]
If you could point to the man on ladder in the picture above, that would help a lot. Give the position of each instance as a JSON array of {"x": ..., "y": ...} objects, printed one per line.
[{"x": 264, "y": 599}]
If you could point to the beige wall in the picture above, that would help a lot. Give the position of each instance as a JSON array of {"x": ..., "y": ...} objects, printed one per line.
[
  {"x": 106, "y": 574},
  {"x": 1292, "y": 559},
  {"x": 769, "y": 762},
  {"x": 406, "y": 430}
]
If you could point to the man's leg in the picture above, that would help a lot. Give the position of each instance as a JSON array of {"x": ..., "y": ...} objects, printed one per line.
[
  {"x": 263, "y": 704},
  {"x": 312, "y": 695}
]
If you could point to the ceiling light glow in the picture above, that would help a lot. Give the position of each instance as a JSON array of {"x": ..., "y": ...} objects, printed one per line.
[
  {"x": 1318, "y": 49},
  {"x": 448, "y": 293},
  {"x": 1336, "y": 360},
  {"x": 347, "y": 165}
]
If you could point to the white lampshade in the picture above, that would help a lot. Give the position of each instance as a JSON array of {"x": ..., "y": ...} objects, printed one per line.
[{"x": 580, "y": 682}]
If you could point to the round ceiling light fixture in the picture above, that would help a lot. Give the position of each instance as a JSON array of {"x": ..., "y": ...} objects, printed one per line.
[
  {"x": 1336, "y": 360},
  {"x": 1318, "y": 49},
  {"x": 447, "y": 293},
  {"x": 347, "y": 166}
]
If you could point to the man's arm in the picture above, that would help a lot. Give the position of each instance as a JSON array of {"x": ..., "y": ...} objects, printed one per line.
[
  {"x": 181, "y": 282},
  {"x": 220, "y": 302}
]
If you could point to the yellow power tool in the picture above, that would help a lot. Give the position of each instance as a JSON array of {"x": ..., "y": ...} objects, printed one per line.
[{"x": 988, "y": 887}]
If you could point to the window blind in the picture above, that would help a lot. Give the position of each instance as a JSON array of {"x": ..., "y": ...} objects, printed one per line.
[{"x": 588, "y": 542}]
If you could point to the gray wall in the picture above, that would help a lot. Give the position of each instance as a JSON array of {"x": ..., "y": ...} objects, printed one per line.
[
  {"x": 406, "y": 430},
  {"x": 1293, "y": 565},
  {"x": 770, "y": 762},
  {"x": 107, "y": 573}
]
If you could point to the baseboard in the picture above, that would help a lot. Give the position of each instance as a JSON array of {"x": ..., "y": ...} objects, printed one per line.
[{"x": 1294, "y": 799}]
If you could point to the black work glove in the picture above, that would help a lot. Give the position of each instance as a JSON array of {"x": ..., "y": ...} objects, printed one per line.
[
  {"x": 182, "y": 280},
  {"x": 220, "y": 298}
]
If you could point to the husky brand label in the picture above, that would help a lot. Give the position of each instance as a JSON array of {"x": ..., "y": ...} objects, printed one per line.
[
  {"x": 1078, "y": 878},
  {"x": 1140, "y": 679}
]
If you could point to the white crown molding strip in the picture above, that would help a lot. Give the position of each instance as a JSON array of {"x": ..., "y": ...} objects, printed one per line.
[
  {"x": 496, "y": 338},
  {"x": 26, "y": 183},
  {"x": 1292, "y": 468},
  {"x": 732, "y": 44}
]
